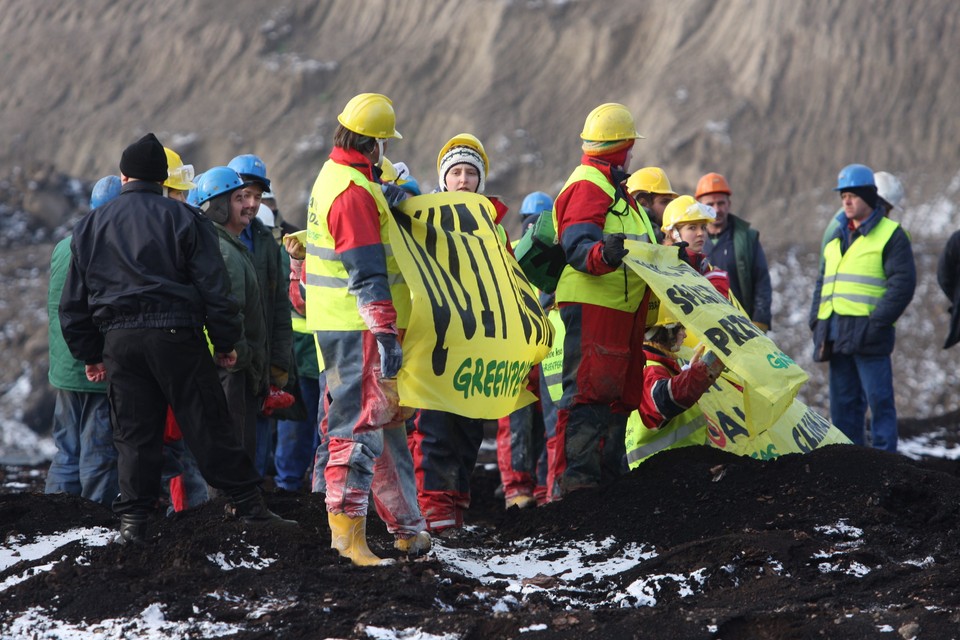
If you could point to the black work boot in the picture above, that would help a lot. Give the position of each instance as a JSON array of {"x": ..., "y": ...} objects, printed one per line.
[
  {"x": 250, "y": 509},
  {"x": 133, "y": 529}
]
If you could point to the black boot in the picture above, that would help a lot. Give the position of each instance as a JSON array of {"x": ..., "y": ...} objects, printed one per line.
[
  {"x": 250, "y": 509},
  {"x": 133, "y": 529}
]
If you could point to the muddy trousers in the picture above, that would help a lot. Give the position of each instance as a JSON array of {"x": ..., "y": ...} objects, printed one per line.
[
  {"x": 445, "y": 449},
  {"x": 602, "y": 383},
  {"x": 364, "y": 451},
  {"x": 521, "y": 440},
  {"x": 148, "y": 369}
]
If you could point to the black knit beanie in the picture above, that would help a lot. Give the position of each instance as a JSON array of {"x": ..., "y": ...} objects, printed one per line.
[
  {"x": 866, "y": 193},
  {"x": 145, "y": 160}
]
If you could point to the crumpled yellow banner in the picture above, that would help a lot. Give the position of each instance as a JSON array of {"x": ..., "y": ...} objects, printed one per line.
[{"x": 476, "y": 326}]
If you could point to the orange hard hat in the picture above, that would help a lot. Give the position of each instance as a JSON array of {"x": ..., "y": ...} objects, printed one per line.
[{"x": 712, "y": 183}]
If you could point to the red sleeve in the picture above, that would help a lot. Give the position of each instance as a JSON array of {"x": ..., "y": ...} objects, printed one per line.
[
  {"x": 296, "y": 291},
  {"x": 354, "y": 219},
  {"x": 581, "y": 214}
]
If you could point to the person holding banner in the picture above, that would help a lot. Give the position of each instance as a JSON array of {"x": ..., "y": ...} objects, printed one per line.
[
  {"x": 357, "y": 304},
  {"x": 602, "y": 305},
  {"x": 445, "y": 445},
  {"x": 866, "y": 281},
  {"x": 671, "y": 390},
  {"x": 685, "y": 224}
]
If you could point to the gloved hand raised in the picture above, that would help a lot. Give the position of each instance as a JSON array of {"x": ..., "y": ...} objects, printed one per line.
[
  {"x": 613, "y": 250},
  {"x": 684, "y": 255},
  {"x": 391, "y": 355}
]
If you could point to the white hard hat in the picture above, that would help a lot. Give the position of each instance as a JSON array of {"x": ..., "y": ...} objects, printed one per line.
[
  {"x": 889, "y": 188},
  {"x": 265, "y": 215}
]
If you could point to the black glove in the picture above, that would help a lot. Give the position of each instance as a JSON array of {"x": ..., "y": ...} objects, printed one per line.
[
  {"x": 391, "y": 355},
  {"x": 685, "y": 256},
  {"x": 613, "y": 250}
]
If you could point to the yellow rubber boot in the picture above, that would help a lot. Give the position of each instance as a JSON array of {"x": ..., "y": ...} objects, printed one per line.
[
  {"x": 349, "y": 537},
  {"x": 414, "y": 545}
]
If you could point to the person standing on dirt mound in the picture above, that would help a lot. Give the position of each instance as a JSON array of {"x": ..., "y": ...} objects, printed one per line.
[
  {"x": 651, "y": 188},
  {"x": 866, "y": 281},
  {"x": 357, "y": 304},
  {"x": 221, "y": 198},
  {"x": 602, "y": 305},
  {"x": 85, "y": 463},
  {"x": 145, "y": 278},
  {"x": 735, "y": 247},
  {"x": 272, "y": 274},
  {"x": 446, "y": 445}
]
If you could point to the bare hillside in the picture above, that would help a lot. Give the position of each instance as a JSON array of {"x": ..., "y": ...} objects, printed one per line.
[{"x": 777, "y": 95}]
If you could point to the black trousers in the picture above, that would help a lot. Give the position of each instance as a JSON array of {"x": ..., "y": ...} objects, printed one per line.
[{"x": 148, "y": 369}]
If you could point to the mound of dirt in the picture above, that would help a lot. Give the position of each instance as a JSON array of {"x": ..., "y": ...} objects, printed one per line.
[{"x": 844, "y": 542}]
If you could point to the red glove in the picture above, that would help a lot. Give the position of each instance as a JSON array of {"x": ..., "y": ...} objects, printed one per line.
[{"x": 276, "y": 398}]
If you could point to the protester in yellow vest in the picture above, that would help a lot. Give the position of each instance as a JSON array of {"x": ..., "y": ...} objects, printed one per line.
[
  {"x": 866, "y": 281},
  {"x": 357, "y": 303},
  {"x": 668, "y": 411},
  {"x": 602, "y": 306}
]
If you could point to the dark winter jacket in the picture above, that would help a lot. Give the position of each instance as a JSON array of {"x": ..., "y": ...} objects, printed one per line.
[
  {"x": 145, "y": 261},
  {"x": 749, "y": 274},
  {"x": 948, "y": 277},
  {"x": 872, "y": 335},
  {"x": 272, "y": 274},
  {"x": 244, "y": 286}
]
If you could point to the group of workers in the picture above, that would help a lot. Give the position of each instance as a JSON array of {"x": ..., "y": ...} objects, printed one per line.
[{"x": 178, "y": 318}]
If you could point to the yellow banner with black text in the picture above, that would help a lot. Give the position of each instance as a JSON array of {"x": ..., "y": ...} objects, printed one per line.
[{"x": 476, "y": 326}]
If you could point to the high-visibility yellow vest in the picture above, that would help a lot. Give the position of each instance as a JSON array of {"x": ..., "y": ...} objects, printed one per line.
[
  {"x": 854, "y": 282},
  {"x": 621, "y": 289},
  {"x": 330, "y": 306},
  {"x": 687, "y": 429},
  {"x": 552, "y": 365}
]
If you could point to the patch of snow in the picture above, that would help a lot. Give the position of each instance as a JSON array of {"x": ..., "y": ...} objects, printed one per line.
[
  {"x": 411, "y": 633},
  {"x": 841, "y": 528},
  {"x": 234, "y": 559},
  {"x": 534, "y": 627},
  {"x": 645, "y": 590},
  {"x": 152, "y": 623},
  {"x": 14, "y": 550}
]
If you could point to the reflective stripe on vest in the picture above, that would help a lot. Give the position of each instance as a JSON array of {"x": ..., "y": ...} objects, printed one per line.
[
  {"x": 621, "y": 289},
  {"x": 330, "y": 305},
  {"x": 641, "y": 442},
  {"x": 854, "y": 282}
]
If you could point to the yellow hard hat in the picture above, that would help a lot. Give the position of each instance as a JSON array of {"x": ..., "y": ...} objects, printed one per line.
[
  {"x": 370, "y": 114},
  {"x": 388, "y": 173},
  {"x": 179, "y": 175},
  {"x": 610, "y": 121},
  {"x": 665, "y": 318},
  {"x": 650, "y": 180},
  {"x": 465, "y": 140},
  {"x": 686, "y": 210}
]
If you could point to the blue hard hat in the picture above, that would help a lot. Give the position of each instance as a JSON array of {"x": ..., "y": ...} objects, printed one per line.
[
  {"x": 106, "y": 189},
  {"x": 411, "y": 186},
  {"x": 855, "y": 175},
  {"x": 536, "y": 202},
  {"x": 215, "y": 182},
  {"x": 192, "y": 193},
  {"x": 252, "y": 169}
]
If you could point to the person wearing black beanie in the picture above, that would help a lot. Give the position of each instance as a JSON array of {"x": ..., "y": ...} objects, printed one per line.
[{"x": 145, "y": 160}]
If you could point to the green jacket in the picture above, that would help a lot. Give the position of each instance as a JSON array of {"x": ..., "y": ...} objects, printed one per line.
[
  {"x": 274, "y": 280},
  {"x": 245, "y": 287},
  {"x": 66, "y": 372}
]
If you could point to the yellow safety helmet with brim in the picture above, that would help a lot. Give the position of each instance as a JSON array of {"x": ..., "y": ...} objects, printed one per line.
[
  {"x": 610, "y": 121},
  {"x": 464, "y": 140},
  {"x": 650, "y": 180},
  {"x": 179, "y": 176},
  {"x": 686, "y": 210},
  {"x": 372, "y": 115}
]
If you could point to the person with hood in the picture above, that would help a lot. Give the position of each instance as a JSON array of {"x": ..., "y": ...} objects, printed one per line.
[
  {"x": 446, "y": 445},
  {"x": 602, "y": 304},
  {"x": 145, "y": 277},
  {"x": 866, "y": 281},
  {"x": 85, "y": 463},
  {"x": 357, "y": 302}
]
